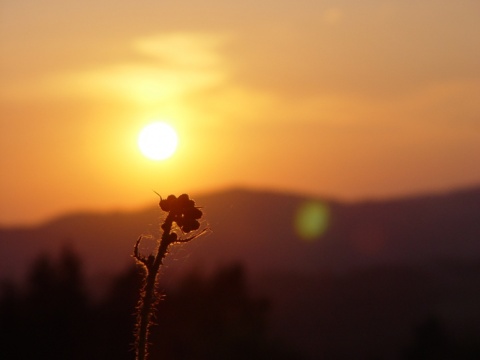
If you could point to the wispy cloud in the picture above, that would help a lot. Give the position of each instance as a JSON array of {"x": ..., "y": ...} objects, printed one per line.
[{"x": 166, "y": 67}]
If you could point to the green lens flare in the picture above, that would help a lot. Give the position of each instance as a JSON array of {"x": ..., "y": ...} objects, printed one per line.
[{"x": 312, "y": 220}]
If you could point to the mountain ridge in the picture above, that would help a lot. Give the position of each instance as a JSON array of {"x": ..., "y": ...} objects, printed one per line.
[{"x": 257, "y": 228}]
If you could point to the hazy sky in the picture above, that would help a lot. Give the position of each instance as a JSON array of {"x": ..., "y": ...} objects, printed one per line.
[{"x": 350, "y": 99}]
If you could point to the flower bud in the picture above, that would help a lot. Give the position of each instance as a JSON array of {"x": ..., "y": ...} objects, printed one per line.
[
  {"x": 190, "y": 225},
  {"x": 183, "y": 200},
  {"x": 164, "y": 205}
]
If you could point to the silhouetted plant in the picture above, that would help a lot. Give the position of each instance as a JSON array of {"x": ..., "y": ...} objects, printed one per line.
[{"x": 182, "y": 218}]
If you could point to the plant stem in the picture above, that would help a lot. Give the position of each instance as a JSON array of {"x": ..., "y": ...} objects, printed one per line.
[
  {"x": 148, "y": 298},
  {"x": 186, "y": 215}
]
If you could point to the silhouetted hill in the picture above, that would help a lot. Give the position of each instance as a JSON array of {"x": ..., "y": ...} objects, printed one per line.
[
  {"x": 380, "y": 269},
  {"x": 258, "y": 229}
]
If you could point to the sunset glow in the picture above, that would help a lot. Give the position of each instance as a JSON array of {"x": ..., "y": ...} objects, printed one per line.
[{"x": 352, "y": 100}]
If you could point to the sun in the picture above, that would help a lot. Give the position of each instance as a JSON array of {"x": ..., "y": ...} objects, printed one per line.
[{"x": 157, "y": 141}]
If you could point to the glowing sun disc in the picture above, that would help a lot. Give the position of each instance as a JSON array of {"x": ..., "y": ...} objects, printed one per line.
[{"x": 157, "y": 141}]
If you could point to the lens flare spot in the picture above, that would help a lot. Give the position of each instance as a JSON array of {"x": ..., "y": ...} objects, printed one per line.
[{"x": 311, "y": 220}]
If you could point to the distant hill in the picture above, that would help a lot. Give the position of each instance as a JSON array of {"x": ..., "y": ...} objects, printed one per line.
[
  {"x": 257, "y": 228},
  {"x": 380, "y": 269}
]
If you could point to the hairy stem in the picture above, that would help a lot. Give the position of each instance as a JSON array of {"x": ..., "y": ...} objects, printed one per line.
[{"x": 148, "y": 299}]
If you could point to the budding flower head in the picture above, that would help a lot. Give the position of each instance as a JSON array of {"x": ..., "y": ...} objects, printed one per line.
[
  {"x": 183, "y": 211},
  {"x": 168, "y": 203}
]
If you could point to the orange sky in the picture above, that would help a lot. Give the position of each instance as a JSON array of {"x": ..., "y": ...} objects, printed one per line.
[{"x": 350, "y": 99}]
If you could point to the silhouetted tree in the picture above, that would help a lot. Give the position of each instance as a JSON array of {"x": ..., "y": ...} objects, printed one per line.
[
  {"x": 211, "y": 317},
  {"x": 49, "y": 319},
  {"x": 430, "y": 342},
  {"x": 115, "y": 318},
  {"x": 10, "y": 326},
  {"x": 214, "y": 318}
]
